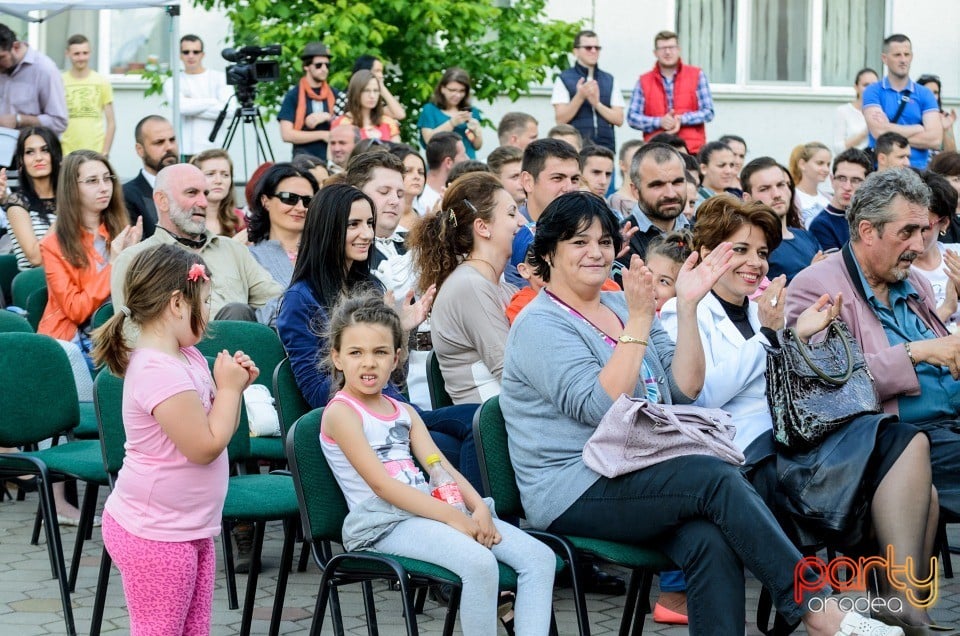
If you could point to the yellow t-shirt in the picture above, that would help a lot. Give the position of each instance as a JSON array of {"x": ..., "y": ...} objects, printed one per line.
[{"x": 85, "y": 101}]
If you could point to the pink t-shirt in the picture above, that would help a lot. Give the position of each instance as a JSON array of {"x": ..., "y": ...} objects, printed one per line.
[{"x": 160, "y": 494}]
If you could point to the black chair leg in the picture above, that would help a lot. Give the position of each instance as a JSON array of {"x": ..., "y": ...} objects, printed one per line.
[
  {"x": 55, "y": 547},
  {"x": 252, "y": 578},
  {"x": 84, "y": 529},
  {"x": 420, "y": 598},
  {"x": 100, "y": 598},
  {"x": 944, "y": 549},
  {"x": 370, "y": 608},
  {"x": 450, "y": 618},
  {"x": 286, "y": 561},
  {"x": 37, "y": 521},
  {"x": 630, "y": 603},
  {"x": 643, "y": 600},
  {"x": 409, "y": 615},
  {"x": 304, "y": 557},
  {"x": 229, "y": 572}
]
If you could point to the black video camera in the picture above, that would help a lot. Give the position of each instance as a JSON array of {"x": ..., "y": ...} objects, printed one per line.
[{"x": 248, "y": 71}]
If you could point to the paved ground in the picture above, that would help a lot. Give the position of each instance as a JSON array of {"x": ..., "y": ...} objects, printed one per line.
[{"x": 29, "y": 603}]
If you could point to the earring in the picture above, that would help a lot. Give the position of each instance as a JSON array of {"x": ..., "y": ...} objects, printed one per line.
[{"x": 943, "y": 232}]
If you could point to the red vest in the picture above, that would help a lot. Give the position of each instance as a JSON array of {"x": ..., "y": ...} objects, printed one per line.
[{"x": 684, "y": 101}]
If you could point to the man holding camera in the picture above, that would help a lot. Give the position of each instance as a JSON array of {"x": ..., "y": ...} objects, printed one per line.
[
  {"x": 202, "y": 96},
  {"x": 309, "y": 107}
]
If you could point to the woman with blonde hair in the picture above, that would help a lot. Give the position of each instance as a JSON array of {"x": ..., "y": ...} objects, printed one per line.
[
  {"x": 223, "y": 216},
  {"x": 365, "y": 109},
  {"x": 809, "y": 167}
]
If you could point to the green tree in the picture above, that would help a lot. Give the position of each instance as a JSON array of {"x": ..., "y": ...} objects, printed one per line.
[{"x": 505, "y": 45}]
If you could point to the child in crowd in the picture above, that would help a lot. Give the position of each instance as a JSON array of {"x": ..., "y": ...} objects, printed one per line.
[
  {"x": 665, "y": 255},
  {"x": 370, "y": 441},
  {"x": 160, "y": 519}
]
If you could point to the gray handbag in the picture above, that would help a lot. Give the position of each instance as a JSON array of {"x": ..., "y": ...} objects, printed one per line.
[{"x": 636, "y": 433}]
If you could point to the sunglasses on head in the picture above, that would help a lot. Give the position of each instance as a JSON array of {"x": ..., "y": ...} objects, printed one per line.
[{"x": 289, "y": 198}]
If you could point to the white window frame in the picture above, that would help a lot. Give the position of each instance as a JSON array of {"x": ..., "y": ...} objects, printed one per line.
[{"x": 789, "y": 91}]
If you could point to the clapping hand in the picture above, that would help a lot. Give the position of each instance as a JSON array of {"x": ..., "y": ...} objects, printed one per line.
[
  {"x": 412, "y": 313},
  {"x": 817, "y": 316},
  {"x": 626, "y": 233},
  {"x": 247, "y": 363},
  {"x": 695, "y": 280},
  {"x": 770, "y": 304},
  {"x": 638, "y": 288}
]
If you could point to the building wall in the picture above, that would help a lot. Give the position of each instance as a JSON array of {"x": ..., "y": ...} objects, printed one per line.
[{"x": 772, "y": 120}]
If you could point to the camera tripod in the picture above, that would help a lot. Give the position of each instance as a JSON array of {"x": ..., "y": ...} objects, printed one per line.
[{"x": 244, "y": 115}]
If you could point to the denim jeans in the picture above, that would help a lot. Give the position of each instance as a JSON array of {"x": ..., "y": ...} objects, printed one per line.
[{"x": 704, "y": 515}]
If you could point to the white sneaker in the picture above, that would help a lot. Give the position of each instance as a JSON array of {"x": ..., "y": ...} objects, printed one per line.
[{"x": 854, "y": 624}]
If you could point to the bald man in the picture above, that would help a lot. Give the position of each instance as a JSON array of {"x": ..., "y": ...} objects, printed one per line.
[{"x": 242, "y": 289}]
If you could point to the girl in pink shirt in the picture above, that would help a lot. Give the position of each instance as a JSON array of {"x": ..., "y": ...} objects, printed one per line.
[{"x": 160, "y": 519}]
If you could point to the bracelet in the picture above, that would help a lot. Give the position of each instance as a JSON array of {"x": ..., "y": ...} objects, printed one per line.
[
  {"x": 18, "y": 120},
  {"x": 913, "y": 361},
  {"x": 624, "y": 338}
]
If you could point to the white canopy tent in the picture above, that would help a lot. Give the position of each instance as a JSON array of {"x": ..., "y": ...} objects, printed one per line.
[{"x": 40, "y": 10}]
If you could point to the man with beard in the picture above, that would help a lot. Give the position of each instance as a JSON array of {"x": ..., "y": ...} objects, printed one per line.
[
  {"x": 659, "y": 185},
  {"x": 240, "y": 285},
  {"x": 766, "y": 181},
  {"x": 156, "y": 143},
  {"x": 309, "y": 107},
  {"x": 891, "y": 310},
  {"x": 830, "y": 227}
]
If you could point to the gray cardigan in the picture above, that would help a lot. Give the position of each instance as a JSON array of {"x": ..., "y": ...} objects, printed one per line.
[
  {"x": 274, "y": 259},
  {"x": 552, "y": 399}
]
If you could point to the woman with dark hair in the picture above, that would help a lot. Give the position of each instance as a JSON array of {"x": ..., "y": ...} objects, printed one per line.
[
  {"x": 449, "y": 109},
  {"x": 939, "y": 262},
  {"x": 463, "y": 250},
  {"x": 849, "y": 126},
  {"x": 946, "y": 118},
  {"x": 31, "y": 209},
  {"x": 224, "y": 218},
  {"x": 570, "y": 354},
  {"x": 390, "y": 104},
  {"x": 314, "y": 165},
  {"x": 334, "y": 259},
  {"x": 414, "y": 178},
  {"x": 947, "y": 165},
  {"x": 365, "y": 109},
  {"x": 886, "y": 461},
  {"x": 718, "y": 170},
  {"x": 278, "y": 211}
]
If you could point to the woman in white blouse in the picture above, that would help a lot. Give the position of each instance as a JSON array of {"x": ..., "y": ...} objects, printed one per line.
[{"x": 849, "y": 126}]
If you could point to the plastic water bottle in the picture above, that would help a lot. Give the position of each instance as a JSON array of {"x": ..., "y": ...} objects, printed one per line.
[{"x": 443, "y": 486}]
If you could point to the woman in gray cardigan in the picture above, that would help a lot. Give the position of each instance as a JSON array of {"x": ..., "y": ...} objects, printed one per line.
[{"x": 569, "y": 355}]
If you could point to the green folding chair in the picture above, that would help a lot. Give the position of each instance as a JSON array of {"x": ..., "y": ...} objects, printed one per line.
[
  {"x": 500, "y": 481},
  {"x": 103, "y": 313},
  {"x": 322, "y": 511},
  {"x": 263, "y": 345},
  {"x": 29, "y": 290},
  {"x": 439, "y": 397},
  {"x": 44, "y": 406},
  {"x": 251, "y": 498},
  {"x": 11, "y": 322},
  {"x": 8, "y": 271}
]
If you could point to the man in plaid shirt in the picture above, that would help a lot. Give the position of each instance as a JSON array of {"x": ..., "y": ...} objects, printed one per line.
[{"x": 673, "y": 97}]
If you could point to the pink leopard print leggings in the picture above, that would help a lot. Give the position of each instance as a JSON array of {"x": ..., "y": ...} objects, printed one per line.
[{"x": 168, "y": 585}]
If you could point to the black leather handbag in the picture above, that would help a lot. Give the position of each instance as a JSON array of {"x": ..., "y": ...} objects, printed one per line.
[{"x": 814, "y": 389}]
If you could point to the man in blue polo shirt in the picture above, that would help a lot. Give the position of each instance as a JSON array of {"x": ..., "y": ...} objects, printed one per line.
[{"x": 898, "y": 104}]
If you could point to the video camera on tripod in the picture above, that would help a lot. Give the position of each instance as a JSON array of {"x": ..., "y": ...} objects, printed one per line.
[{"x": 247, "y": 71}]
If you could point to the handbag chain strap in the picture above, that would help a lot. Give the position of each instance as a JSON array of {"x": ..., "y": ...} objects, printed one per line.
[{"x": 823, "y": 375}]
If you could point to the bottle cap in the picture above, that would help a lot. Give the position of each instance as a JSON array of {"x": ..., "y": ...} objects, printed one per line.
[{"x": 433, "y": 459}]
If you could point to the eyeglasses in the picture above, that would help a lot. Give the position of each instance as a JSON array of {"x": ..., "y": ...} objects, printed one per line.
[
  {"x": 197, "y": 52},
  {"x": 320, "y": 65},
  {"x": 668, "y": 47},
  {"x": 590, "y": 48},
  {"x": 105, "y": 179},
  {"x": 854, "y": 181},
  {"x": 289, "y": 198}
]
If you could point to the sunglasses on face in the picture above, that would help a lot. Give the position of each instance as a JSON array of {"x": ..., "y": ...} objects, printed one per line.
[
  {"x": 289, "y": 198},
  {"x": 589, "y": 48},
  {"x": 320, "y": 65},
  {"x": 197, "y": 52}
]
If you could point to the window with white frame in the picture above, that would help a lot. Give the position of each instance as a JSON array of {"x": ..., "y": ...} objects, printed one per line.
[
  {"x": 816, "y": 43},
  {"x": 123, "y": 41}
]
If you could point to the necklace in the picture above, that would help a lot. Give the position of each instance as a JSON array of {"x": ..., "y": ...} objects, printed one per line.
[{"x": 487, "y": 263}]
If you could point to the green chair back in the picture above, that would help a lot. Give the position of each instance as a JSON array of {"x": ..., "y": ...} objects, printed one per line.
[
  {"x": 493, "y": 453},
  {"x": 25, "y": 283},
  {"x": 39, "y": 399},
  {"x": 8, "y": 271},
  {"x": 108, "y": 404},
  {"x": 289, "y": 400},
  {"x": 102, "y": 315},
  {"x": 36, "y": 305},
  {"x": 322, "y": 506},
  {"x": 11, "y": 322},
  {"x": 257, "y": 341},
  {"x": 439, "y": 397}
]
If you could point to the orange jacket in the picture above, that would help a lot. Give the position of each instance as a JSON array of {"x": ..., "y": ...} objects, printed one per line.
[{"x": 72, "y": 294}]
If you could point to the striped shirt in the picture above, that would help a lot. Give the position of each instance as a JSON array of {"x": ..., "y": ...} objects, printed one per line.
[{"x": 41, "y": 218}]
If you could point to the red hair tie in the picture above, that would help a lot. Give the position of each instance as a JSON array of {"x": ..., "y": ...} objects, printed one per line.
[{"x": 197, "y": 271}]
